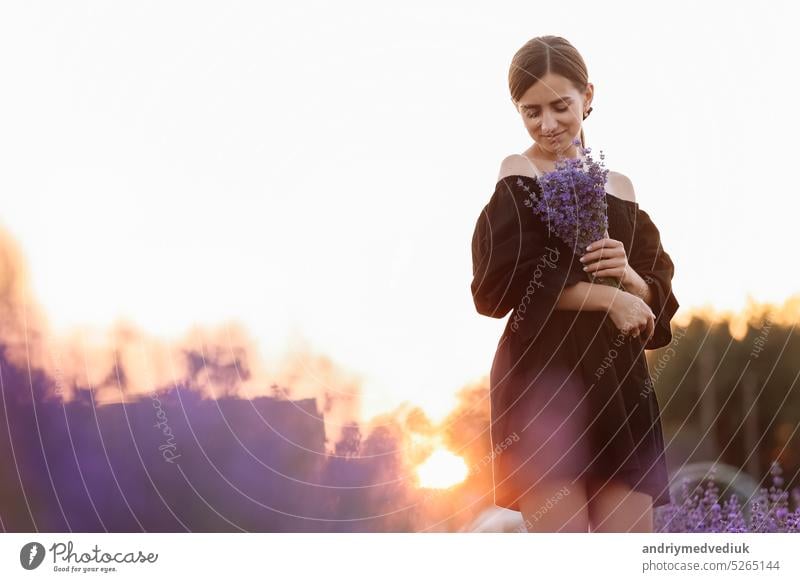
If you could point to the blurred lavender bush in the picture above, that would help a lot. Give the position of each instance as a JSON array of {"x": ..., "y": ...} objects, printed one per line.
[{"x": 701, "y": 511}]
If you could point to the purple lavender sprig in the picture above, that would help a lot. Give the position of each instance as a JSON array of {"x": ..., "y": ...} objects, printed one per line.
[
  {"x": 702, "y": 511},
  {"x": 573, "y": 203}
]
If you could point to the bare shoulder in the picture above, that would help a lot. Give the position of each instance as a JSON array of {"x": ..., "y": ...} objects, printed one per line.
[
  {"x": 620, "y": 185},
  {"x": 516, "y": 165},
  {"x": 617, "y": 183}
]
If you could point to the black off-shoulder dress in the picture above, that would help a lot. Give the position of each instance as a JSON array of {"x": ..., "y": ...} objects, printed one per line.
[{"x": 571, "y": 397}]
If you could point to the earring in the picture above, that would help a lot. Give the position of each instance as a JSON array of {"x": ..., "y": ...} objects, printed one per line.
[{"x": 587, "y": 112}]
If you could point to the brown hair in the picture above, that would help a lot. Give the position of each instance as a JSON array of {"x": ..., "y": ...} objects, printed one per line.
[{"x": 542, "y": 55}]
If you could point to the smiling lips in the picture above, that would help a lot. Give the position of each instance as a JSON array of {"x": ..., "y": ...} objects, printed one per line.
[{"x": 553, "y": 137}]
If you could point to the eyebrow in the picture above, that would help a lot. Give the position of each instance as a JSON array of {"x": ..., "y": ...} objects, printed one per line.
[{"x": 563, "y": 99}]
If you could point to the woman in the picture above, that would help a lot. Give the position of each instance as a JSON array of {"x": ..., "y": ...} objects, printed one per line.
[{"x": 571, "y": 396}]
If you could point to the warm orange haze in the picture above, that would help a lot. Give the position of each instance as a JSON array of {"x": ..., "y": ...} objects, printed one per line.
[{"x": 225, "y": 361}]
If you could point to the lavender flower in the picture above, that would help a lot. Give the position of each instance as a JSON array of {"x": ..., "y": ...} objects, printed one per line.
[
  {"x": 573, "y": 203},
  {"x": 701, "y": 511}
]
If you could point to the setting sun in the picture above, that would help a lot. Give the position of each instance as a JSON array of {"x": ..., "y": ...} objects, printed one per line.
[{"x": 442, "y": 469}]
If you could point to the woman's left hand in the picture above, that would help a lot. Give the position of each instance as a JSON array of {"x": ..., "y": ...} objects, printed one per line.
[{"x": 607, "y": 258}]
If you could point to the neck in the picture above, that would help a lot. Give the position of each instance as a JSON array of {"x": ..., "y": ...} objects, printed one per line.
[{"x": 571, "y": 152}]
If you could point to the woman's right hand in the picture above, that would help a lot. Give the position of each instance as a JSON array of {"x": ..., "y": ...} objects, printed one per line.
[{"x": 632, "y": 315}]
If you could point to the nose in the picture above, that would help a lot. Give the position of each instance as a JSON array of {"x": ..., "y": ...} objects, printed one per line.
[{"x": 549, "y": 124}]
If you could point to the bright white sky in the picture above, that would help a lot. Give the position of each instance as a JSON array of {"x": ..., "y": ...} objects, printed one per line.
[{"x": 317, "y": 169}]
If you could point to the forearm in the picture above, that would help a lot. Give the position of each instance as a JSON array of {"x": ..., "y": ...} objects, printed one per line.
[{"x": 585, "y": 296}]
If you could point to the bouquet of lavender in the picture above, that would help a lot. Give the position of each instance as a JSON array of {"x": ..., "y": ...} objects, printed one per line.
[{"x": 573, "y": 203}]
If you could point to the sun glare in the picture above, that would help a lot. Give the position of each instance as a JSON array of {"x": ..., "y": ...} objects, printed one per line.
[{"x": 442, "y": 469}]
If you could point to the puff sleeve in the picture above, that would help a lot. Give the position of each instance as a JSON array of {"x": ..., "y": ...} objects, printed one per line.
[
  {"x": 517, "y": 263},
  {"x": 650, "y": 260}
]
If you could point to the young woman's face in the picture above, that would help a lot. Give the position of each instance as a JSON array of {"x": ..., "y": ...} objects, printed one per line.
[{"x": 552, "y": 110}]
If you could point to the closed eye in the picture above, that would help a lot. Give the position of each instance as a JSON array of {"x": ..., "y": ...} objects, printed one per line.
[{"x": 531, "y": 114}]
